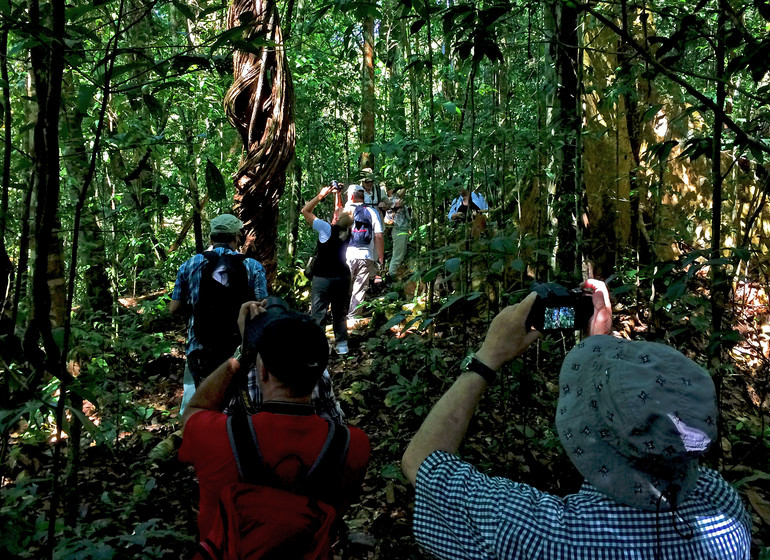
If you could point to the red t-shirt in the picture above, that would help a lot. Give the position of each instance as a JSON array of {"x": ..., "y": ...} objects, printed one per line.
[{"x": 206, "y": 445}]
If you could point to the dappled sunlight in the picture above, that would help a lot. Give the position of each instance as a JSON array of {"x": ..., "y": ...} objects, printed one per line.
[{"x": 660, "y": 125}]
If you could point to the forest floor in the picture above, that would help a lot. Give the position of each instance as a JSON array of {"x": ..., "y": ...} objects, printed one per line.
[{"x": 134, "y": 499}]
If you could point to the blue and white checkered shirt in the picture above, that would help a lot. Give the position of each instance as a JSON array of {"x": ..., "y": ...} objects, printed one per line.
[
  {"x": 463, "y": 514},
  {"x": 188, "y": 281}
]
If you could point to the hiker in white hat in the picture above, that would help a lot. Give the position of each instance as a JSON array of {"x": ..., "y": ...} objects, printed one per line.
[{"x": 634, "y": 417}]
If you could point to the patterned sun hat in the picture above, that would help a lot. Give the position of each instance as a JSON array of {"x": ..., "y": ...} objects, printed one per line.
[{"x": 634, "y": 417}]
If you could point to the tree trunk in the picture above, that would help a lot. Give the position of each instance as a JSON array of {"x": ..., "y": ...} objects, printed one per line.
[
  {"x": 91, "y": 250},
  {"x": 565, "y": 124},
  {"x": 6, "y": 266},
  {"x": 719, "y": 281},
  {"x": 295, "y": 205},
  {"x": 47, "y": 71},
  {"x": 260, "y": 106},
  {"x": 430, "y": 179},
  {"x": 367, "y": 93}
]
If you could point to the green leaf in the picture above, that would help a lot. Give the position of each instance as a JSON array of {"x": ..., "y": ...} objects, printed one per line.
[
  {"x": 253, "y": 45},
  {"x": 395, "y": 320},
  {"x": 215, "y": 183},
  {"x": 85, "y": 97},
  {"x": 452, "y": 265},
  {"x": 432, "y": 273},
  {"x": 216, "y": 8},
  {"x": 412, "y": 322},
  {"x": 226, "y": 36},
  {"x": 676, "y": 290},
  {"x": 758, "y": 475},
  {"x": 651, "y": 112},
  {"x": 452, "y": 108},
  {"x": 393, "y": 472},
  {"x": 153, "y": 105},
  {"x": 9, "y": 417},
  {"x": 185, "y": 10},
  {"x": 92, "y": 429},
  {"x": 450, "y": 302},
  {"x": 505, "y": 245}
]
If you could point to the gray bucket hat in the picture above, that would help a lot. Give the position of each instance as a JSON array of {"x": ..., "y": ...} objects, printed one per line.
[{"x": 634, "y": 417}]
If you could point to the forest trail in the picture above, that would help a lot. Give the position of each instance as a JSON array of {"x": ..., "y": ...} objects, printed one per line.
[{"x": 134, "y": 495}]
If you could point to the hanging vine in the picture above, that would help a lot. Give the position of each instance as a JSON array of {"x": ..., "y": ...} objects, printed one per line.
[{"x": 259, "y": 105}]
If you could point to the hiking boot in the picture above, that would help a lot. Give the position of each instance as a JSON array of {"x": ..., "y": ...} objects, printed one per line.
[{"x": 342, "y": 347}]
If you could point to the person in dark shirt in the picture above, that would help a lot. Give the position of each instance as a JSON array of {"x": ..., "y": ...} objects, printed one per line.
[{"x": 330, "y": 285}]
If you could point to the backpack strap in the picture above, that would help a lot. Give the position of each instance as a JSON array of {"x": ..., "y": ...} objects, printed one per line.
[
  {"x": 330, "y": 462},
  {"x": 248, "y": 457},
  {"x": 252, "y": 468},
  {"x": 211, "y": 256}
]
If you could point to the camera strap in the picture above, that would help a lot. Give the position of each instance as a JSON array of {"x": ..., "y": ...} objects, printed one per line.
[{"x": 291, "y": 408}]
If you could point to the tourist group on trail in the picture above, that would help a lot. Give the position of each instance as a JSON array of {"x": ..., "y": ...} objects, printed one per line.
[{"x": 278, "y": 465}]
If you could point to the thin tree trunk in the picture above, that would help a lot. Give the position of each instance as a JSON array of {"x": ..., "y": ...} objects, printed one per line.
[
  {"x": 295, "y": 205},
  {"x": 6, "y": 267},
  {"x": 367, "y": 93},
  {"x": 433, "y": 158},
  {"x": 77, "y": 400},
  {"x": 48, "y": 70},
  {"x": 93, "y": 252},
  {"x": 566, "y": 123},
  {"x": 719, "y": 280}
]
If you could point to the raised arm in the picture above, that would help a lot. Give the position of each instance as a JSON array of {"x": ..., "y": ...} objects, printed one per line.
[
  {"x": 338, "y": 205},
  {"x": 446, "y": 424},
  {"x": 307, "y": 210}
]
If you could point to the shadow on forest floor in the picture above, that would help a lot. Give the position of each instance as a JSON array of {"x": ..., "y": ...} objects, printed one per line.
[{"x": 135, "y": 500}]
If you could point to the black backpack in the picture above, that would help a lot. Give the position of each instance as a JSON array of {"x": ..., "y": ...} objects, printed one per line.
[
  {"x": 361, "y": 232},
  {"x": 224, "y": 287}
]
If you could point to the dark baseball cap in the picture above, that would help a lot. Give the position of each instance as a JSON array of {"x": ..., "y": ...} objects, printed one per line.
[{"x": 294, "y": 349}]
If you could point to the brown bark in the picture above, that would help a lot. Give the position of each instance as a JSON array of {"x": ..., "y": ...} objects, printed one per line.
[
  {"x": 259, "y": 106},
  {"x": 367, "y": 93},
  {"x": 6, "y": 266}
]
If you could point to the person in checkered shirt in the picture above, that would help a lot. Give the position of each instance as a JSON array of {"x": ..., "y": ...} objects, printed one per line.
[
  {"x": 634, "y": 417},
  {"x": 225, "y": 236}
]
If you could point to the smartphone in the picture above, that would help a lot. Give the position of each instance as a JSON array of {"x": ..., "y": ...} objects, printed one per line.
[{"x": 559, "y": 309}]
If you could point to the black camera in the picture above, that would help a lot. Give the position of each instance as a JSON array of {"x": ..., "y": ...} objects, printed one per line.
[
  {"x": 560, "y": 309},
  {"x": 336, "y": 186},
  {"x": 255, "y": 327}
]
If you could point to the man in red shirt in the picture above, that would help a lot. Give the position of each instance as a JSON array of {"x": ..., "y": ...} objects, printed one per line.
[{"x": 292, "y": 355}]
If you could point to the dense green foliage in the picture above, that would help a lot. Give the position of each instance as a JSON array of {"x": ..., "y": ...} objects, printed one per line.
[{"x": 528, "y": 103}]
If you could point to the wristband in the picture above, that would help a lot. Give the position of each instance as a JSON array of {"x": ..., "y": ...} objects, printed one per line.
[{"x": 477, "y": 366}]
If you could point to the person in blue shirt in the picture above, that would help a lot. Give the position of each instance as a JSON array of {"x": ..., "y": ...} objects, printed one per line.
[
  {"x": 225, "y": 232},
  {"x": 634, "y": 417},
  {"x": 467, "y": 203}
]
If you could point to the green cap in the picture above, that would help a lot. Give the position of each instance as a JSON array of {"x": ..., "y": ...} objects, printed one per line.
[{"x": 226, "y": 223}]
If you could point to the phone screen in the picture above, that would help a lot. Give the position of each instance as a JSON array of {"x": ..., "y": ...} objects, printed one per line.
[{"x": 555, "y": 318}]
